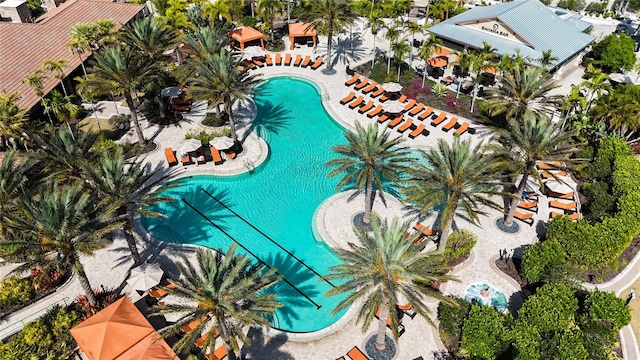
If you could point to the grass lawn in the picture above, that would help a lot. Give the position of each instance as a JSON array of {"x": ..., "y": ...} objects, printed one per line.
[
  {"x": 89, "y": 124},
  {"x": 634, "y": 305}
]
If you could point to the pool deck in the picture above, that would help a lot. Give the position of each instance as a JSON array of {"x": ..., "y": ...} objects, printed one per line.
[{"x": 110, "y": 266}]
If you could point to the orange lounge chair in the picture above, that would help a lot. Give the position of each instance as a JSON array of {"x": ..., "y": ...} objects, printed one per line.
[
  {"x": 384, "y": 117},
  {"x": 572, "y": 216},
  {"x": 218, "y": 354},
  {"x": 448, "y": 126},
  {"x": 549, "y": 174},
  {"x": 405, "y": 126},
  {"x": 397, "y": 120},
  {"x": 157, "y": 294},
  {"x": 298, "y": 60},
  {"x": 417, "y": 131},
  {"x": 440, "y": 118},
  {"x": 190, "y": 326},
  {"x": 462, "y": 128},
  {"x": 416, "y": 109},
  {"x": 248, "y": 63},
  {"x": 348, "y": 98},
  {"x": 278, "y": 59},
  {"x": 410, "y": 104},
  {"x": 257, "y": 62},
  {"x": 372, "y": 86},
  {"x": 377, "y": 93},
  {"x": 287, "y": 59},
  {"x": 368, "y": 106},
  {"x": 548, "y": 166},
  {"x": 424, "y": 230},
  {"x": 526, "y": 218},
  {"x": 357, "y": 102},
  {"x": 215, "y": 155},
  {"x": 171, "y": 157},
  {"x": 357, "y": 354},
  {"x": 306, "y": 61},
  {"x": 186, "y": 159},
  {"x": 407, "y": 309},
  {"x": 267, "y": 60},
  {"x": 402, "y": 98},
  {"x": 353, "y": 80},
  {"x": 564, "y": 206},
  {"x": 425, "y": 113},
  {"x": 201, "y": 340},
  {"x": 389, "y": 324},
  {"x": 384, "y": 97},
  {"x": 375, "y": 111},
  {"x": 529, "y": 205},
  {"x": 567, "y": 196},
  {"x": 362, "y": 84},
  {"x": 317, "y": 64}
]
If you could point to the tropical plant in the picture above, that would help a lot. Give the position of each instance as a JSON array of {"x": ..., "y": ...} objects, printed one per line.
[
  {"x": 374, "y": 23},
  {"x": 484, "y": 333},
  {"x": 428, "y": 47},
  {"x": 547, "y": 59},
  {"x": 381, "y": 269},
  {"x": 224, "y": 292},
  {"x": 327, "y": 16},
  {"x": 596, "y": 86},
  {"x": 268, "y": 9},
  {"x": 455, "y": 176},
  {"x": 614, "y": 53},
  {"x": 526, "y": 142},
  {"x": 130, "y": 188},
  {"x": 393, "y": 30},
  {"x": 619, "y": 109},
  {"x": 400, "y": 49},
  {"x": 217, "y": 11},
  {"x": 119, "y": 71},
  {"x": 527, "y": 91},
  {"x": 63, "y": 107},
  {"x": 204, "y": 41},
  {"x": 12, "y": 118},
  {"x": 370, "y": 158},
  {"x": 175, "y": 17},
  {"x": 149, "y": 36},
  {"x": 13, "y": 179},
  {"x": 220, "y": 78},
  {"x": 413, "y": 28},
  {"x": 57, "y": 68},
  {"x": 55, "y": 227}
]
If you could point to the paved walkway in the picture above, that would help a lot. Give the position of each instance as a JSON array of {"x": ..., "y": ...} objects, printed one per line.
[{"x": 110, "y": 266}]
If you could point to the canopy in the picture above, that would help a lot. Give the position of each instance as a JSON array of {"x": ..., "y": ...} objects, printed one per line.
[
  {"x": 245, "y": 34},
  {"x": 189, "y": 145},
  {"x": 563, "y": 185},
  {"x": 221, "y": 142},
  {"x": 442, "y": 52},
  {"x": 531, "y": 186},
  {"x": 115, "y": 333},
  {"x": 145, "y": 276},
  {"x": 392, "y": 87},
  {"x": 149, "y": 348},
  {"x": 437, "y": 62},
  {"x": 393, "y": 107},
  {"x": 301, "y": 30}
]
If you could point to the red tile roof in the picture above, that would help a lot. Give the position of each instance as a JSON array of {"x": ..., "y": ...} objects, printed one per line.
[{"x": 24, "y": 47}]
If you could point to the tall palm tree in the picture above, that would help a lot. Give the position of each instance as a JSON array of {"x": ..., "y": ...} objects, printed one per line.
[
  {"x": 119, "y": 71},
  {"x": 268, "y": 9},
  {"x": 369, "y": 158},
  {"x": 392, "y": 33},
  {"x": 148, "y": 36},
  {"x": 457, "y": 176},
  {"x": 428, "y": 47},
  {"x": 375, "y": 22},
  {"x": 547, "y": 59},
  {"x": 63, "y": 107},
  {"x": 220, "y": 78},
  {"x": 478, "y": 65},
  {"x": 597, "y": 85},
  {"x": 413, "y": 28},
  {"x": 223, "y": 291},
  {"x": 208, "y": 40},
  {"x": 129, "y": 187},
  {"x": 12, "y": 118},
  {"x": 57, "y": 68},
  {"x": 217, "y": 10},
  {"x": 328, "y": 15},
  {"x": 35, "y": 80},
  {"x": 400, "y": 49},
  {"x": 381, "y": 269},
  {"x": 527, "y": 90},
  {"x": 55, "y": 227},
  {"x": 13, "y": 179},
  {"x": 526, "y": 142}
]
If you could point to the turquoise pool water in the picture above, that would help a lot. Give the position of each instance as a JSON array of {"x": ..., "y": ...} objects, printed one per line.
[
  {"x": 279, "y": 198},
  {"x": 492, "y": 296}
]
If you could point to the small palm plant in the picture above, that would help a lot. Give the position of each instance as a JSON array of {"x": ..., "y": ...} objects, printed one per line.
[
  {"x": 384, "y": 267},
  {"x": 368, "y": 159},
  {"x": 224, "y": 292}
]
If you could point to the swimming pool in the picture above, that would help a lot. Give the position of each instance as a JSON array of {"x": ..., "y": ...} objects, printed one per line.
[
  {"x": 485, "y": 294},
  {"x": 278, "y": 198}
]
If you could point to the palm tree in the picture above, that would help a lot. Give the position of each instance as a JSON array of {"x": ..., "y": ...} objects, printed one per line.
[
  {"x": 478, "y": 65},
  {"x": 596, "y": 85},
  {"x": 547, "y": 59},
  {"x": 217, "y": 10},
  {"x": 400, "y": 48},
  {"x": 63, "y": 108},
  {"x": 119, "y": 71},
  {"x": 57, "y": 68},
  {"x": 457, "y": 176},
  {"x": 12, "y": 118},
  {"x": 220, "y": 78},
  {"x": 528, "y": 90},
  {"x": 175, "y": 17},
  {"x": 413, "y": 28},
  {"x": 149, "y": 37},
  {"x": 428, "y": 47},
  {"x": 328, "y": 15},
  {"x": 223, "y": 291},
  {"x": 526, "y": 142},
  {"x": 35, "y": 80},
  {"x": 369, "y": 159},
  {"x": 375, "y": 22},
  {"x": 13, "y": 179},
  {"x": 129, "y": 187},
  {"x": 268, "y": 9},
  {"x": 384, "y": 267},
  {"x": 55, "y": 227},
  {"x": 392, "y": 34}
]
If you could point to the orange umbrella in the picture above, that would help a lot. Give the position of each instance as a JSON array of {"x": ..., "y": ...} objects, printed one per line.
[
  {"x": 442, "y": 52},
  {"x": 437, "y": 62}
]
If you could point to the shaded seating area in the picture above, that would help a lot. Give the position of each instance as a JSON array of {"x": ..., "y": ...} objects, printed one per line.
[
  {"x": 302, "y": 32},
  {"x": 246, "y": 34}
]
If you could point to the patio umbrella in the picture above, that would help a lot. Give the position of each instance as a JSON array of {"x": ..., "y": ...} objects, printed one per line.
[
  {"x": 563, "y": 185},
  {"x": 392, "y": 87},
  {"x": 437, "y": 62},
  {"x": 171, "y": 91},
  {"x": 393, "y": 107},
  {"x": 222, "y": 142},
  {"x": 189, "y": 145},
  {"x": 252, "y": 51},
  {"x": 145, "y": 276},
  {"x": 442, "y": 51},
  {"x": 531, "y": 186}
]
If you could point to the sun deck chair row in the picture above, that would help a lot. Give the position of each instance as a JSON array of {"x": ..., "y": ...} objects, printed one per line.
[
  {"x": 187, "y": 159},
  {"x": 298, "y": 61}
]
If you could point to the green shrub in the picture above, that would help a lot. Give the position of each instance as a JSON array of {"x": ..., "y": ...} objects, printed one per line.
[
  {"x": 601, "y": 203},
  {"x": 212, "y": 119},
  {"x": 460, "y": 243},
  {"x": 14, "y": 291},
  {"x": 451, "y": 320},
  {"x": 484, "y": 334},
  {"x": 249, "y": 21},
  {"x": 608, "y": 310},
  {"x": 539, "y": 258},
  {"x": 205, "y": 136},
  {"x": 439, "y": 90}
]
